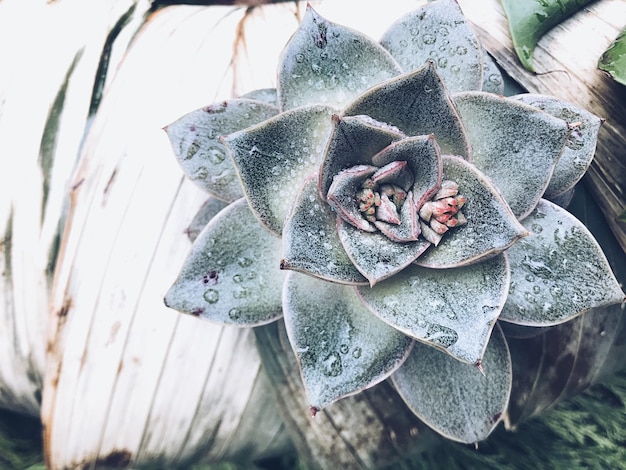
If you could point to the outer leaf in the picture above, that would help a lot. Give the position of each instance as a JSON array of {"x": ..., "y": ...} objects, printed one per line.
[
  {"x": 330, "y": 64},
  {"x": 274, "y": 157},
  {"x": 454, "y": 398},
  {"x": 341, "y": 347},
  {"x": 202, "y": 157},
  {"x": 311, "y": 243},
  {"x": 580, "y": 146},
  {"x": 375, "y": 255},
  {"x": 417, "y": 103},
  {"x": 491, "y": 226},
  {"x": 558, "y": 272},
  {"x": 231, "y": 275},
  {"x": 514, "y": 144},
  {"x": 529, "y": 20},
  {"x": 451, "y": 309},
  {"x": 439, "y": 32},
  {"x": 562, "y": 361},
  {"x": 613, "y": 60},
  {"x": 267, "y": 95},
  {"x": 354, "y": 141}
]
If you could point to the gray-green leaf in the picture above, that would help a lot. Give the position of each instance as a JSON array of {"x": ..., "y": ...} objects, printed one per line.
[
  {"x": 613, "y": 61},
  {"x": 341, "y": 347},
  {"x": 454, "y": 398},
  {"x": 232, "y": 274},
  {"x": 558, "y": 272},
  {"x": 203, "y": 158}
]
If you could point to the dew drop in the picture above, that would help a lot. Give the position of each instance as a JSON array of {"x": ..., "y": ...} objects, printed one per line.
[
  {"x": 495, "y": 79},
  {"x": 241, "y": 293},
  {"x": 323, "y": 55},
  {"x": 331, "y": 365},
  {"x": 403, "y": 43},
  {"x": 357, "y": 353},
  {"x": 455, "y": 68},
  {"x": 344, "y": 348},
  {"x": 530, "y": 278},
  {"x": 442, "y": 63},
  {"x": 429, "y": 39},
  {"x": 200, "y": 174},
  {"x": 238, "y": 278},
  {"x": 300, "y": 58},
  {"x": 234, "y": 314},
  {"x": 192, "y": 150},
  {"x": 251, "y": 275},
  {"x": 211, "y": 296},
  {"x": 536, "y": 228},
  {"x": 427, "y": 89},
  {"x": 414, "y": 31},
  {"x": 316, "y": 68},
  {"x": 460, "y": 50},
  {"x": 529, "y": 298},
  {"x": 244, "y": 262},
  {"x": 536, "y": 289}
]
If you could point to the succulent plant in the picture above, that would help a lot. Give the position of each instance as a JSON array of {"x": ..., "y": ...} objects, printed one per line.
[{"x": 387, "y": 202}]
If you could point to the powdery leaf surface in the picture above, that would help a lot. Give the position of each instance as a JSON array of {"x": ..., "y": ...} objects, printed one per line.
[
  {"x": 514, "y": 144},
  {"x": 274, "y": 158},
  {"x": 454, "y": 398},
  {"x": 558, "y": 272},
  {"x": 207, "y": 211},
  {"x": 417, "y": 103},
  {"x": 203, "y": 158},
  {"x": 491, "y": 226},
  {"x": 341, "y": 347},
  {"x": 438, "y": 32},
  {"x": 330, "y": 64},
  {"x": 580, "y": 146},
  {"x": 311, "y": 243},
  {"x": 492, "y": 78},
  {"x": 232, "y": 274},
  {"x": 451, "y": 309}
]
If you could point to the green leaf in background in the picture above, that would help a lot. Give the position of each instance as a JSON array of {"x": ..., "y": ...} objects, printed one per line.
[
  {"x": 613, "y": 61},
  {"x": 531, "y": 19}
]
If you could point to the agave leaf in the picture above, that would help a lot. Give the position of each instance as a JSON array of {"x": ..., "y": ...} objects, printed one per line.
[
  {"x": 530, "y": 20},
  {"x": 563, "y": 361},
  {"x": 267, "y": 95},
  {"x": 580, "y": 146},
  {"x": 375, "y": 255},
  {"x": 452, "y": 397},
  {"x": 613, "y": 61},
  {"x": 194, "y": 138},
  {"x": 451, "y": 309},
  {"x": 207, "y": 211},
  {"x": 491, "y": 226},
  {"x": 417, "y": 103},
  {"x": 438, "y": 32},
  {"x": 341, "y": 347},
  {"x": 492, "y": 78},
  {"x": 231, "y": 275},
  {"x": 354, "y": 141},
  {"x": 558, "y": 272},
  {"x": 274, "y": 157},
  {"x": 311, "y": 243},
  {"x": 327, "y": 63},
  {"x": 514, "y": 144}
]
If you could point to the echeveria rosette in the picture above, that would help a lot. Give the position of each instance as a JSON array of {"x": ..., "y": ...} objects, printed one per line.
[{"x": 390, "y": 222}]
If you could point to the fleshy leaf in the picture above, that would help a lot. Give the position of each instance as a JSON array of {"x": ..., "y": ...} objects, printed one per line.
[
  {"x": 341, "y": 347},
  {"x": 232, "y": 274},
  {"x": 311, "y": 243},
  {"x": 492, "y": 78},
  {"x": 451, "y": 309},
  {"x": 417, "y": 103},
  {"x": 454, "y": 398},
  {"x": 558, "y": 272},
  {"x": 327, "y": 63},
  {"x": 274, "y": 157},
  {"x": 267, "y": 95},
  {"x": 341, "y": 195},
  {"x": 580, "y": 146},
  {"x": 208, "y": 210},
  {"x": 529, "y": 20},
  {"x": 514, "y": 144},
  {"x": 354, "y": 141},
  {"x": 203, "y": 158},
  {"x": 439, "y": 32},
  {"x": 375, "y": 255},
  {"x": 491, "y": 226},
  {"x": 613, "y": 61}
]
